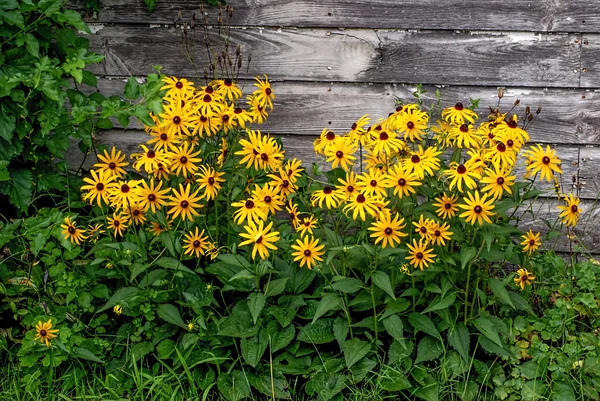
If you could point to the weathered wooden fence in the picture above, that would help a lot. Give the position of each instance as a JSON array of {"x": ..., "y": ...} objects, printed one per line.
[{"x": 334, "y": 60}]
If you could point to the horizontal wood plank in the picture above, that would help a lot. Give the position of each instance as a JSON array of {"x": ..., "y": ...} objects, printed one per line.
[
  {"x": 590, "y": 61},
  {"x": 569, "y": 116},
  {"x": 589, "y": 173},
  {"x": 535, "y": 16},
  {"x": 428, "y": 57}
]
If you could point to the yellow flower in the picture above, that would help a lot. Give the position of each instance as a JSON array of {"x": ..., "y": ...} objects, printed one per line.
[
  {"x": 458, "y": 114},
  {"x": 373, "y": 182},
  {"x": 183, "y": 203},
  {"x": 478, "y": 208},
  {"x": 331, "y": 196},
  {"x": 150, "y": 159},
  {"x": 183, "y": 159},
  {"x": 98, "y": 186},
  {"x": 261, "y": 237},
  {"x": 191, "y": 326},
  {"x": 545, "y": 161},
  {"x": 269, "y": 197},
  {"x": 362, "y": 205},
  {"x": 523, "y": 277},
  {"x": 459, "y": 174},
  {"x": 446, "y": 206},
  {"x": 308, "y": 252},
  {"x": 571, "y": 211},
  {"x": 71, "y": 232},
  {"x": 340, "y": 153},
  {"x": 419, "y": 255},
  {"x": 264, "y": 94},
  {"x": 118, "y": 223},
  {"x": 112, "y": 163},
  {"x": 306, "y": 226},
  {"x": 531, "y": 241},
  {"x": 150, "y": 197},
  {"x": 250, "y": 210},
  {"x": 440, "y": 233},
  {"x": 498, "y": 181},
  {"x": 464, "y": 136},
  {"x": 45, "y": 332},
  {"x": 117, "y": 309},
  {"x": 402, "y": 181},
  {"x": 195, "y": 243},
  {"x": 387, "y": 231},
  {"x": 210, "y": 181}
]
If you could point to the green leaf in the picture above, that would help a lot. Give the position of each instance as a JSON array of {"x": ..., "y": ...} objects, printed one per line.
[
  {"x": 7, "y": 123},
  {"x": 393, "y": 325},
  {"x": 104, "y": 123},
  {"x": 253, "y": 348},
  {"x": 326, "y": 385},
  {"x": 256, "y": 303},
  {"x": 562, "y": 391},
  {"x": 8, "y": 4},
  {"x": 391, "y": 379},
  {"x": 74, "y": 19},
  {"x": 382, "y": 280},
  {"x": 340, "y": 330},
  {"x": 132, "y": 89},
  {"x": 119, "y": 296},
  {"x": 140, "y": 350},
  {"x": 32, "y": 45},
  {"x": 233, "y": 386},
  {"x": 12, "y": 18},
  {"x": 150, "y": 4},
  {"x": 328, "y": 303},
  {"x": 276, "y": 287},
  {"x": 174, "y": 264},
  {"x": 423, "y": 323},
  {"x": 520, "y": 302},
  {"x": 347, "y": 285},
  {"x": 459, "y": 339},
  {"x": 239, "y": 322},
  {"x": 441, "y": 304},
  {"x": 281, "y": 338},
  {"x": 487, "y": 328},
  {"x": 84, "y": 353},
  {"x": 169, "y": 313},
  {"x": 500, "y": 291},
  {"x": 354, "y": 350},
  {"x": 321, "y": 332},
  {"x": 165, "y": 348},
  {"x": 428, "y": 349},
  {"x": 235, "y": 260},
  {"x": 4, "y": 173},
  {"x": 466, "y": 255}
]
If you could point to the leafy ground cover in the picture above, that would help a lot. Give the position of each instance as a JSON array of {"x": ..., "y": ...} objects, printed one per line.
[{"x": 208, "y": 265}]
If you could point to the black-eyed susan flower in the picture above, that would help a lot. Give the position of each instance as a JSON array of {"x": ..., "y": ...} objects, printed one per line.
[
  {"x": 151, "y": 197},
  {"x": 293, "y": 169},
  {"x": 458, "y": 114},
  {"x": 362, "y": 205},
  {"x": 460, "y": 174},
  {"x": 44, "y": 332},
  {"x": 447, "y": 206},
  {"x": 531, "y": 242},
  {"x": 478, "y": 208},
  {"x": 402, "y": 181},
  {"x": 328, "y": 195},
  {"x": 210, "y": 182},
  {"x": 501, "y": 156},
  {"x": 195, "y": 243},
  {"x": 510, "y": 129},
  {"x": 264, "y": 95},
  {"x": 161, "y": 139},
  {"x": 71, "y": 232},
  {"x": 205, "y": 125},
  {"x": 111, "y": 163},
  {"x": 292, "y": 210},
  {"x": 261, "y": 237},
  {"x": 258, "y": 112},
  {"x": 184, "y": 204},
  {"x": 249, "y": 210},
  {"x": 212, "y": 250},
  {"x": 424, "y": 227},
  {"x": 387, "y": 230},
  {"x": 358, "y": 133},
  {"x": 308, "y": 252},
  {"x": 162, "y": 172},
  {"x": 227, "y": 89},
  {"x": 341, "y": 153},
  {"x": 183, "y": 160},
  {"x": 464, "y": 136},
  {"x": 270, "y": 154},
  {"x": 98, "y": 186},
  {"x": 348, "y": 185},
  {"x": 412, "y": 124},
  {"x": 307, "y": 225},
  {"x": 385, "y": 142},
  {"x": 136, "y": 213},
  {"x": 149, "y": 159},
  {"x": 373, "y": 182},
  {"x": 544, "y": 161},
  {"x": 419, "y": 255},
  {"x": 118, "y": 223},
  {"x": 523, "y": 277},
  {"x": 324, "y": 141},
  {"x": 571, "y": 211},
  {"x": 440, "y": 233},
  {"x": 157, "y": 228},
  {"x": 241, "y": 117},
  {"x": 497, "y": 182},
  {"x": 423, "y": 161},
  {"x": 178, "y": 87},
  {"x": 250, "y": 151},
  {"x": 282, "y": 183},
  {"x": 177, "y": 118},
  {"x": 269, "y": 197},
  {"x": 122, "y": 194}
]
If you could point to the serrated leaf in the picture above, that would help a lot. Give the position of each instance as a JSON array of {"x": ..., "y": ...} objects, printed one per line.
[
  {"x": 233, "y": 386},
  {"x": 423, "y": 323},
  {"x": 347, "y": 285},
  {"x": 520, "y": 302},
  {"x": 354, "y": 350},
  {"x": 12, "y": 18},
  {"x": 282, "y": 338},
  {"x": 172, "y": 263},
  {"x": 382, "y": 280},
  {"x": 253, "y": 348},
  {"x": 321, "y": 332},
  {"x": 119, "y": 296},
  {"x": 169, "y": 313},
  {"x": 428, "y": 349},
  {"x": 132, "y": 89},
  {"x": 488, "y": 329},
  {"x": 500, "y": 291},
  {"x": 276, "y": 287},
  {"x": 328, "y": 303},
  {"x": 326, "y": 385},
  {"x": 165, "y": 348},
  {"x": 459, "y": 339},
  {"x": 84, "y": 353},
  {"x": 441, "y": 304},
  {"x": 393, "y": 325},
  {"x": 340, "y": 330},
  {"x": 140, "y": 350},
  {"x": 466, "y": 255},
  {"x": 391, "y": 379},
  {"x": 256, "y": 303},
  {"x": 32, "y": 45}
]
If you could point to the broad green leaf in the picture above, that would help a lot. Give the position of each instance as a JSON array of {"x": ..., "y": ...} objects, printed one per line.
[
  {"x": 340, "y": 330},
  {"x": 281, "y": 338},
  {"x": 256, "y": 303},
  {"x": 253, "y": 348},
  {"x": 441, "y": 304},
  {"x": 466, "y": 255},
  {"x": 8, "y": 4},
  {"x": 12, "y": 18},
  {"x": 321, "y": 332},
  {"x": 354, "y": 350},
  {"x": 233, "y": 386},
  {"x": 459, "y": 339},
  {"x": 347, "y": 285},
  {"x": 235, "y": 260},
  {"x": 423, "y": 323},
  {"x": 326, "y": 385},
  {"x": 119, "y": 296},
  {"x": 21, "y": 188},
  {"x": 140, "y": 350},
  {"x": 165, "y": 348},
  {"x": 169, "y": 313},
  {"x": 492, "y": 348},
  {"x": 328, "y": 303},
  {"x": 276, "y": 287},
  {"x": 84, "y": 353},
  {"x": 393, "y": 325},
  {"x": 488, "y": 329},
  {"x": 32, "y": 45},
  {"x": 269, "y": 385},
  {"x": 239, "y": 322},
  {"x": 132, "y": 89},
  {"x": 562, "y": 391},
  {"x": 520, "y": 302},
  {"x": 391, "y": 379},
  {"x": 243, "y": 275},
  {"x": 382, "y": 280},
  {"x": 428, "y": 349},
  {"x": 500, "y": 291}
]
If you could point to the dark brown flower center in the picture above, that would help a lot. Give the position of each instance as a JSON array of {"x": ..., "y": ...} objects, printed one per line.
[
  {"x": 361, "y": 198},
  {"x": 402, "y": 182},
  {"x": 112, "y": 165},
  {"x": 373, "y": 183},
  {"x": 176, "y": 120},
  {"x": 459, "y": 106},
  {"x": 327, "y": 190},
  {"x": 136, "y": 212},
  {"x": 179, "y": 85},
  {"x": 209, "y": 89},
  {"x": 196, "y": 244},
  {"x": 203, "y": 119},
  {"x": 510, "y": 143},
  {"x": 415, "y": 159},
  {"x": 99, "y": 186},
  {"x": 125, "y": 188},
  {"x": 227, "y": 82},
  {"x": 512, "y": 124},
  {"x": 500, "y": 180},
  {"x": 384, "y": 136},
  {"x": 501, "y": 147},
  {"x": 419, "y": 255},
  {"x": 43, "y": 333},
  {"x": 448, "y": 205},
  {"x": 388, "y": 231},
  {"x": 151, "y": 197},
  {"x": 207, "y": 99},
  {"x": 354, "y": 126},
  {"x": 339, "y": 154},
  {"x": 532, "y": 242},
  {"x": 461, "y": 169},
  {"x": 151, "y": 154},
  {"x": 330, "y": 136},
  {"x": 478, "y": 209},
  {"x": 184, "y": 204},
  {"x": 410, "y": 125},
  {"x": 464, "y": 128},
  {"x": 350, "y": 188},
  {"x": 423, "y": 229},
  {"x": 238, "y": 110},
  {"x": 211, "y": 180},
  {"x": 259, "y": 240},
  {"x": 307, "y": 252},
  {"x": 164, "y": 136},
  {"x": 183, "y": 159},
  {"x": 116, "y": 223},
  {"x": 574, "y": 208},
  {"x": 268, "y": 91},
  {"x": 437, "y": 233},
  {"x": 264, "y": 156},
  {"x": 285, "y": 183},
  {"x": 249, "y": 204},
  {"x": 71, "y": 230},
  {"x": 267, "y": 199},
  {"x": 546, "y": 160}
]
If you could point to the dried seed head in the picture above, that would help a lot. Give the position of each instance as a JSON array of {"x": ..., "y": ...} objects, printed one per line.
[
  {"x": 249, "y": 58},
  {"x": 230, "y": 11},
  {"x": 530, "y": 117},
  {"x": 205, "y": 74},
  {"x": 219, "y": 20},
  {"x": 238, "y": 50},
  {"x": 239, "y": 62},
  {"x": 539, "y": 110},
  {"x": 500, "y": 93},
  {"x": 527, "y": 111},
  {"x": 517, "y": 102}
]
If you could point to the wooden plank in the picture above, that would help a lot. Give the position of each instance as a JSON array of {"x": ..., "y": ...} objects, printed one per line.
[
  {"x": 569, "y": 116},
  {"x": 536, "y": 16},
  {"x": 589, "y": 173},
  {"x": 301, "y": 147},
  {"x": 590, "y": 60},
  {"x": 428, "y": 57}
]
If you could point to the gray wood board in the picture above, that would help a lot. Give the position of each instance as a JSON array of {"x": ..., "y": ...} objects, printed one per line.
[
  {"x": 589, "y": 173},
  {"x": 569, "y": 116},
  {"x": 539, "y": 15},
  {"x": 428, "y": 57},
  {"x": 590, "y": 60},
  {"x": 301, "y": 147}
]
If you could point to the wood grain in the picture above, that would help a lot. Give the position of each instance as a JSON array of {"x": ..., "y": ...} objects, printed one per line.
[
  {"x": 590, "y": 60},
  {"x": 429, "y": 57},
  {"x": 569, "y": 116},
  {"x": 509, "y": 15},
  {"x": 589, "y": 174}
]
